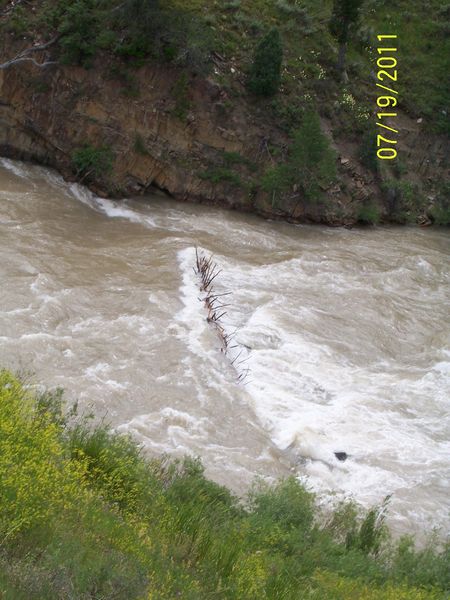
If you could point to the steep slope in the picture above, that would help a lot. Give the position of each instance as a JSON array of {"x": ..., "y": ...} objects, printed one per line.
[{"x": 131, "y": 116}]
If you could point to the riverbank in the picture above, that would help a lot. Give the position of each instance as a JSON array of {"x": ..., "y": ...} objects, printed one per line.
[
  {"x": 125, "y": 119},
  {"x": 84, "y": 515}
]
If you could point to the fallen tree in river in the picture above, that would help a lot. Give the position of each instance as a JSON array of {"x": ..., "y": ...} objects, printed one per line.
[{"x": 208, "y": 270}]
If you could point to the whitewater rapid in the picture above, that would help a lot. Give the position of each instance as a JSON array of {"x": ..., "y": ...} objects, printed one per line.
[{"x": 344, "y": 333}]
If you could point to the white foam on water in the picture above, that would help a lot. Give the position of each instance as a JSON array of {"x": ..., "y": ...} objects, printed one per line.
[
  {"x": 192, "y": 315},
  {"x": 338, "y": 330},
  {"x": 19, "y": 169},
  {"x": 110, "y": 208},
  {"x": 177, "y": 430},
  {"x": 315, "y": 399}
]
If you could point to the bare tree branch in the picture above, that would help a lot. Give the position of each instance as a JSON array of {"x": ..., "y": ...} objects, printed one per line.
[{"x": 23, "y": 56}]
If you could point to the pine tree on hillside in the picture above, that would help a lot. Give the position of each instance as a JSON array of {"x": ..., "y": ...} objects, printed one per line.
[
  {"x": 265, "y": 73},
  {"x": 343, "y": 20}
]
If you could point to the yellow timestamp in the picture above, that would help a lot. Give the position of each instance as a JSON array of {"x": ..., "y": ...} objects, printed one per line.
[{"x": 387, "y": 81}]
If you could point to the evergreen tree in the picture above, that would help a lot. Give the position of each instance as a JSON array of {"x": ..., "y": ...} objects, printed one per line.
[
  {"x": 312, "y": 158},
  {"x": 343, "y": 20},
  {"x": 265, "y": 73},
  {"x": 311, "y": 165}
]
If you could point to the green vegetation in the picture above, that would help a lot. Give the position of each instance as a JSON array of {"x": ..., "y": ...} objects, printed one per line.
[
  {"x": 232, "y": 168},
  {"x": 440, "y": 212},
  {"x": 186, "y": 33},
  {"x": 180, "y": 93},
  {"x": 139, "y": 145},
  {"x": 368, "y": 150},
  {"x": 283, "y": 47},
  {"x": 91, "y": 161},
  {"x": 84, "y": 515},
  {"x": 310, "y": 166},
  {"x": 265, "y": 72},
  {"x": 79, "y": 28},
  {"x": 369, "y": 214},
  {"x": 402, "y": 198},
  {"x": 343, "y": 21},
  {"x": 424, "y": 47},
  {"x": 220, "y": 174},
  {"x": 234, "y": 158}
]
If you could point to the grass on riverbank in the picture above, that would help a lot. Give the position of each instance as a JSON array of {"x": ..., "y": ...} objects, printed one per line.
[{"x": 83, "y": 515}]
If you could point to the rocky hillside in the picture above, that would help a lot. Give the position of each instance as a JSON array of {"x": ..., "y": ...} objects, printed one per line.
[{"x": 135, "y": 96}]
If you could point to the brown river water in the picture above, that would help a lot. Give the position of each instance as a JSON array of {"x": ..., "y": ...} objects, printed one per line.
[{"x": 345, "y": 335}]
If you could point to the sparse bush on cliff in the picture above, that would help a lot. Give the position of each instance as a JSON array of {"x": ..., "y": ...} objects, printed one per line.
[
  {"x": 221, "y": 174},
  {"x": 368, "y": 213},
  {"x": 265, "y": 73},
  {"x": 180, "y": 93},
  {"x": 92, "y": 161},
  {"x": 402, "y": 199},
  {"x": 368, "y": 150},
  {"x": 231, "y": 168},
  {"x": 139, "y": 145},
  {"x": 441, "y": 208}
]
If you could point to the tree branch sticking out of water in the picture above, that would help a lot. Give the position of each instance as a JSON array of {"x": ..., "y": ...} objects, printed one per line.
[{"x": 207, "y": 270}]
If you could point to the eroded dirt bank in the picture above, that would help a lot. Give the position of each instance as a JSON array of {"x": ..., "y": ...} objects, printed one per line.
[{"x": 181, "y": 133}]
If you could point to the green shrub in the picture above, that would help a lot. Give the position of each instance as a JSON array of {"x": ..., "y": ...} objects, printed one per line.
[
  {"x": 300, "y": 14},
  {"x": 221, "y": 174},
  {"x": 371, "y": 533},
  {"x": 18, "y": 23},
  {"x": 403, "y": 199},
  {"x": 180, "y": 93},
  {"x": 288, "y": 505},
  {"x": 368, "y": 150},
  {"x": 330, "y": 586},
  {"x": 140, "y": 15},
  {"x": 139, "y": 145},
  {"x": 265, "y": 73},
  {"x": 289, "y": 115},
  {"x": 91, "y": 161},
  {"x": 276, "y": 181},
  {"x": 314, "y": 161},
  {"x": 253, "y": 26},
  {"x": 234, "y": 158},
  {"x": 420, "y": 567},
  {"x": 79, "y": 29},
  {"x": 368, "y": 214},
  {"x": 440, "y": 212},
  {"x": 310, "y": 166},
  {"x": 192, "y": 39},
  {"x": 141, "y": 22}
]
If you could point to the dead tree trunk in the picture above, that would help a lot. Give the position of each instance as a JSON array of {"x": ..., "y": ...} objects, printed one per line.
[{"x": 207, "y": 270}]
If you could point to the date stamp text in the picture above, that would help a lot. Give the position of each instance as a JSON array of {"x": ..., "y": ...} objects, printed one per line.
[{"x": 388, "y": 100}]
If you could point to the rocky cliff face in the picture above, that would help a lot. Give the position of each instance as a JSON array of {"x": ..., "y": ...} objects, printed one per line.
[
  {"x": 47, "y": 114},
  {"x": 182, "y": 134}
]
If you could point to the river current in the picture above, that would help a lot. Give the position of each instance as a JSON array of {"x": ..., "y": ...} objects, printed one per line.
[{"x": 345, "y": 335}]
